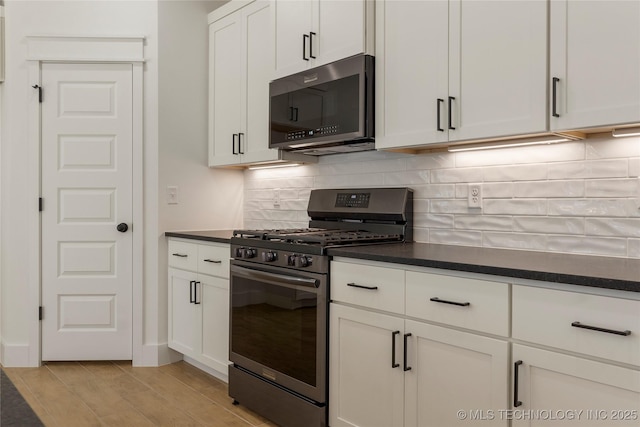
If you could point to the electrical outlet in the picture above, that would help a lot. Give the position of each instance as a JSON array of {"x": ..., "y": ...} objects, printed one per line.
[
  {"x": 475, "y": 196},
  {"x": 172, "y": 195},
  {"x": 276, "y": 198}
]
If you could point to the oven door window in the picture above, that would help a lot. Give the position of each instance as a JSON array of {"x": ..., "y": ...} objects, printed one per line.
[{"x": 275, "y": 326}]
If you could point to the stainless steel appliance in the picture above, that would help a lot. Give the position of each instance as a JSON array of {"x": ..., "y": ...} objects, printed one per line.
[
  {"x": 280, "y": 299},
  {"x": 324, "y": 110}
]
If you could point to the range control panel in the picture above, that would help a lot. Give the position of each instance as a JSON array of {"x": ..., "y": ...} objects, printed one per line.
[{"x": 352, "y": 200}]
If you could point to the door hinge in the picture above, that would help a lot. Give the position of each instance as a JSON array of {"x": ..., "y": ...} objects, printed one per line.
[
  {"x": 40, "y": 204},
  {"x": 40, "y": 313},
  {"x": 39, "y": 92}
]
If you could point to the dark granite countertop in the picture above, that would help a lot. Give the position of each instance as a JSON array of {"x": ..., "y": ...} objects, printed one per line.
[
  {"x": 586, "y": 270},
  {"x": 219, "y": 236}
]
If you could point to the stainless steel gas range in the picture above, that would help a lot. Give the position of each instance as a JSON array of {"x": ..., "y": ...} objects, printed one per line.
[{"x": 280, "y": 299}]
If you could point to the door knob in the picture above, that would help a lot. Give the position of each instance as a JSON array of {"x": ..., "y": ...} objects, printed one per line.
[{"x": 122, "y": 227}]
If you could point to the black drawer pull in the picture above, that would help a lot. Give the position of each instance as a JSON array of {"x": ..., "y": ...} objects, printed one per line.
[
  {"x": 516, "y": 402},
  {"x": 595, "y": 328},
  {"x": 393, "y": 349},
  {"x": 444, "y": 301},
  {"x": 438, "y": 101},
  {"x": 213, "y": 261},
  {"x": 192, "y": 298},
  {"x": 554, "y": 97},
  {"x": 371, "y": 288},
  {"x": 180, "y": 255},
  {"x": 406, "y": 368},
  {"x": 451, "y": 99},
  {"x": 195, "y": 292}
]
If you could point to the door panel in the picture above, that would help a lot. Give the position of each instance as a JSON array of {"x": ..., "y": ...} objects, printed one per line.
[{"x": 87, "y": 190}]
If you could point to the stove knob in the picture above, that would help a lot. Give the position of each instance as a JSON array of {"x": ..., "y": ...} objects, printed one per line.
[
  {"x": 250, "y": 253},
  {"x": 302, "y": 261},
  {"x": 269, "y": 256},
  {"x": 291, "y": 260},
  {"x": 239, "y": 253}
]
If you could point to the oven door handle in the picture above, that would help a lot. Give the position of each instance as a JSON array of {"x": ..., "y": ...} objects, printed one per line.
[{"x": 280, "y": 278}]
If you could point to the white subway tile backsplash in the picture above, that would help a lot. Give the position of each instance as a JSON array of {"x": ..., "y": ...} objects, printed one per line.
[
  {"x": 534, "y": 242},
  {"x": 578, "y": 197},
  {"x": 634, "y": 248},
  {"x": 456, "y": 237},
  {"x": 618, "y": 227},
  {"x": 588, "y": 245},
  {"x": 593, "y": 207},
  {"x": 549, "y": 189},
  {"x": 613, "y": 187},
  {"x": 483, "y": 222},
  {"x": 514, "y": 207},
  {"x": 548, "y": 225},
  {"x": 616, "y": 168}
]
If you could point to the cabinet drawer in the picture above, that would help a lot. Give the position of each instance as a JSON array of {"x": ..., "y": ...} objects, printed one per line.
[
  {"x": 213, "y": 260},
  {"x": 562, "y": 319},
  {"x": 369, "y": 286},
  {"x": 468, "y": 303},
  {"x": 183, "y": 255}
]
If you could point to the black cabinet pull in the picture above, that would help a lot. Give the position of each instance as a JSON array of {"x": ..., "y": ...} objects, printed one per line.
[
  {"x": 554, "y": 97},
  {"x": 596, "y": 328},
  {"x": 240, "y": 135},
  {"x": 371, "y": 288},
  {"x": 444, "y": 301},
  {"x": 393, "y": 349},
  {"x": 195, "y": 292},
  {"x": 311, "y": 34},
  {"x": 304, "y": 46},
  {"x": 213, "y": 261},
  {"x": 233, "y": 143},
  {"x": 295, "y": 110},
  {"x": 406, "y": 368},
  {"x": 290, "y": 114},
  {"x": 192, "y": 298},
  {"x": 439, "y": 102},
  {"x": 451, "y": 98},
  {"x": 516, "y": 402},
  {"x": 180, "y": 255}
]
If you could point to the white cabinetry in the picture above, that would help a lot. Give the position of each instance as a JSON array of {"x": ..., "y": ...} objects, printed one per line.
[
  {"x": 595, "y": 369},
  {"x": 315, "y": 32},
  {"x": 594, "y": 63},
  {"x": 240, "y": 66},
  {"x": 199, "y": 302},
  {"x": 459, "y": 70},
  {"x": 387, "y": 369}
]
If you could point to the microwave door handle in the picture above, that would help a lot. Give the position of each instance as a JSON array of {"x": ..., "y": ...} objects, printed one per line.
[{"x": 274, "y": 277}]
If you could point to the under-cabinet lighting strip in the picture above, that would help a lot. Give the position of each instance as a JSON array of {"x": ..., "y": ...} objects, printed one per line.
[
  {"x": 513, "y": 143},
  {"x": 622, "y": 132}
]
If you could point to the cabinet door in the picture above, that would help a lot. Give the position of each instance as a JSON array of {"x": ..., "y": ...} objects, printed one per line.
[
  {"x": 365, "y": 390},
  {"x": 593, "y": 393},
  {"x": 595, "y": 52},
  {"x": 341, "y": 27},
  {"x": 411, "y": 72},
  {"x": 497, "y": 68},
  {"x": 184, "y": 320},
  {"x": 225, "y": 89},
  {"x": 453, "y": 371},
  {"x": 291, "y": 21},
  {"x": 215, "y": 322},
  {"x": 257, "y": 68}
]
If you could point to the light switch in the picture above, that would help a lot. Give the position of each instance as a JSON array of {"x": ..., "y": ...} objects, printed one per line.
[{"x": 172, "y": 195}]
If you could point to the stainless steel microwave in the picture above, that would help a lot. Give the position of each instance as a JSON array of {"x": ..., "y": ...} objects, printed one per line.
[{"x": 324, "y": 110}]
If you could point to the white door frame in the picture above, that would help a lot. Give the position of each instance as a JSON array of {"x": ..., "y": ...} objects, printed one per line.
[{"x": 83, "y": 50}]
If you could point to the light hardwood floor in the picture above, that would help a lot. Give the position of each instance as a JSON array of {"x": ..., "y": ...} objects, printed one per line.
[{"x": 83, "y": 394}]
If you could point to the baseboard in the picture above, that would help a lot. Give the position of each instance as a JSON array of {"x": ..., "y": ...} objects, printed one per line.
[
  {"x": 207, "y": 369},
  {"x": 14, "y": 355},
  {"x": 157, "y": 355}
]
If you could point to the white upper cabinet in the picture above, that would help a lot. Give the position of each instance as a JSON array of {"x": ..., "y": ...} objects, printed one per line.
[
  {"x": 309, "y": 33},
  {"x": 452, "y": 70},
  {"x": 240, "y": 68},
  {"x": 594, "y": 63}
]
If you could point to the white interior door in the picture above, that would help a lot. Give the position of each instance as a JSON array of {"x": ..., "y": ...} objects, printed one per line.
[{"x": 87, "y": 129}]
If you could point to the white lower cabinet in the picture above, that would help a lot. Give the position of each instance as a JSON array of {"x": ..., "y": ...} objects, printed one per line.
[
  {"x": 560, "y": 389},
  {"x": 199, "y": 303},
  {"x": 388, "y": 369}
]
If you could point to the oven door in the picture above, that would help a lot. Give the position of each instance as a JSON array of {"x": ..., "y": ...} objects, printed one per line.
[{"x": 278, "y": 326}]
